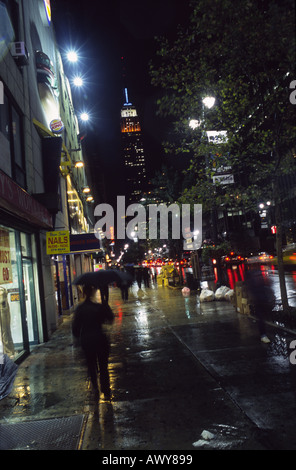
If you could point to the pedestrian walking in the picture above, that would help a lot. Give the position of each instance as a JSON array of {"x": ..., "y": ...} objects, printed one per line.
[
  {"x": 87, "y": 325},
  {"x": 139, "y": 277},
  {"x": 104, "y": 291},
  {"x": 146, "y": 276},
  {"x": 261, "y": 297},
  {"x": 124, "y": 290}
]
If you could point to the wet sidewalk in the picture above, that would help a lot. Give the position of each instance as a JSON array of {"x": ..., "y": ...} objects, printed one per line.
[{"x": 177, "y": 367}]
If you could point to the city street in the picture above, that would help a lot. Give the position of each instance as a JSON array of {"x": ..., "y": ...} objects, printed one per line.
[
  {"x": 178, "y": 368},
  {"x": 235, "y": 273}
]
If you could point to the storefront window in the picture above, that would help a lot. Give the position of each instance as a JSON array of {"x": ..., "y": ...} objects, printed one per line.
[
  {"x": 18, "y": 307},
  {"x": 10, "y": 306}
]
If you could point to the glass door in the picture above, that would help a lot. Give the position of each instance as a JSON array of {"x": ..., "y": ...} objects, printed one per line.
[{"x": 29, "y": 289}]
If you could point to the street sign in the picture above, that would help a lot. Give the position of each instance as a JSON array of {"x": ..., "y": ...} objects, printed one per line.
[
  {"x": 223, "y": 179},
  {"x": 58, "y": 242}
]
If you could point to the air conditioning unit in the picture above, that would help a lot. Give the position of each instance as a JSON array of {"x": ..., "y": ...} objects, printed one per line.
[{"x": 19, "y": 53}]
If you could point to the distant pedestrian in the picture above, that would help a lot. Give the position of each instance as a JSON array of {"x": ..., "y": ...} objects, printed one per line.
[
  {"x": 261, "y": 297},
  {"x": 139, "y": 277},
  {"x": 87, "y": 325},
  {"x": 124, "y": 290},
  {"x": 146, "y": 277},
  {"x": 104, "y": 291}
]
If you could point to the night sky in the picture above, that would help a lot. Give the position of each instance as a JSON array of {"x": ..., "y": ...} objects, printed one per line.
[{"x": 116, "y": 42}]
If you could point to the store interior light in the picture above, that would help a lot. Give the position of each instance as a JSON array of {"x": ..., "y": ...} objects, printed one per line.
[
  {"x": 89, "y": 199},
  {"x": 79, "y": 164},
  {"x": 86, "y": 189}
]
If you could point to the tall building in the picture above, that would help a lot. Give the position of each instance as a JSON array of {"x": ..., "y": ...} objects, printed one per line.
[
  {"x": 44, "y": 209},
  {"x": 133, "y": 152}
]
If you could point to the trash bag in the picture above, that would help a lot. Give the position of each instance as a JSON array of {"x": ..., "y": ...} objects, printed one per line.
[
  {"x": 8, "y": 370},
  {"x": 207, "y": 295},
  {"x": 229, "y": 295},
  {"x": 221, "y": 292},
  {"x": 186, "y": 291}
]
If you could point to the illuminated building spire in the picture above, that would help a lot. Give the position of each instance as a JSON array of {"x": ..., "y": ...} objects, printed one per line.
[{"x": 126, "y": 98}]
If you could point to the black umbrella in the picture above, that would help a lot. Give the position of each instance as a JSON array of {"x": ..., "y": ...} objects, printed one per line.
[{"x": 102, "y": 277}]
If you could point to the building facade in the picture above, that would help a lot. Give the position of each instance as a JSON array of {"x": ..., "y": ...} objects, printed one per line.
[{"x": 41, "y": 191}]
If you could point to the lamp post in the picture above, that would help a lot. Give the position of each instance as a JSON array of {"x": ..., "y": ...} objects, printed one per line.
[{"x": 207, "y": 102}]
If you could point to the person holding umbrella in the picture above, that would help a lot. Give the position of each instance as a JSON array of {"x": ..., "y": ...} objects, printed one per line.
[
  {"x": 87, "y": 325},
  {"x": 104, "y": 291}
]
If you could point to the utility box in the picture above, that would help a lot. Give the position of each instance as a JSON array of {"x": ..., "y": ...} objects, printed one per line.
[{"x": 242, "y": 303}]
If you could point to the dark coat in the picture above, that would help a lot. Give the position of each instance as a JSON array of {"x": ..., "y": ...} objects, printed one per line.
[
  {"x": 88, "y": 321},
  {"x": 259, "y": 288}
]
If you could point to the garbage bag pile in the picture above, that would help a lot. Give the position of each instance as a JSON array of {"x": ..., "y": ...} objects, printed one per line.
[
  {"x": 222, "y": 293},
  {"x": 206, "y": 295},
  {"x": 8, "y": 370}
]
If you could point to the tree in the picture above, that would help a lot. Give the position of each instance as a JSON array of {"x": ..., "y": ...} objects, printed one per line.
[{"x": 243, "y": 53}]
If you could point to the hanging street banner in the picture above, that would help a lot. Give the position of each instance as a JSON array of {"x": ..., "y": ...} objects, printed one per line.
[{"x": 58, "y": 242}]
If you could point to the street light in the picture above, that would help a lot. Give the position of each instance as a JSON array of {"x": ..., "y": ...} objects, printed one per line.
[
  {"x": 84, "y": 116},
  {"x": 72, "y": 56},
  {"x": 194, "y": 123},
  {"x": 209, "y": 101},
  {"x": 78, "y": 81}
]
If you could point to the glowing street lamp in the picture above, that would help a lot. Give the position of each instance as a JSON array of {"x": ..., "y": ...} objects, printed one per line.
[
  {"x": 78, "y": 81},
  {"x": 84, "y": 117},
  {"x": 72, "y": 56},
  {"x": 194, "y": 123},
  {"x": 209, "y": 101}
]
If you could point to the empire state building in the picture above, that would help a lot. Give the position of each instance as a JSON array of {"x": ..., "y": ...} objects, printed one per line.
[{"x": 133, "y": 152}]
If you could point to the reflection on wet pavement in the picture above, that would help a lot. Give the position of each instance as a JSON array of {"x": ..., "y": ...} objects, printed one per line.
[{"x": 177, "y": 368}]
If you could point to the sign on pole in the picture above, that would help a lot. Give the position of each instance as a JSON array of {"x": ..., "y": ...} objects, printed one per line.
[{"x": 58, "y": 242}]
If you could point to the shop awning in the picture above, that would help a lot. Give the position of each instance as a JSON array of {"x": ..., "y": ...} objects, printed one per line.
[
  {"x": 18, "y": 202},
  {"x": 84, "y": 242}
]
